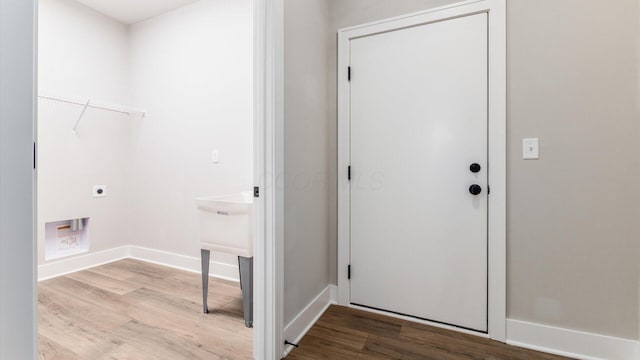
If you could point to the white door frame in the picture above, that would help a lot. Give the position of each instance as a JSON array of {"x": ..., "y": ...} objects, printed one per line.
[
  {"x": 497, "y": 256},
  {"x": 18, "y": 108},
  {"x": 269, "y": 158}
]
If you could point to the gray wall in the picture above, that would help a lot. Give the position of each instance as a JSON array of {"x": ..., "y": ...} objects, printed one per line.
[
  {"x": 573, "y": 234},
  {"x": 17, "y": 245},
  {"x": 573, "y": 231},
  {"x": 306, "y": 157}
]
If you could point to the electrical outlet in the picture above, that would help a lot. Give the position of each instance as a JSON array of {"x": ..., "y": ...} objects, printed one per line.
[
  {"x": 215, "y": 156},
  {"x": 100, "y": 191}
]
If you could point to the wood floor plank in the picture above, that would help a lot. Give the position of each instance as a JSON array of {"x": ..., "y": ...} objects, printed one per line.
[
  {"x": 73, "y": 334},
  {"x": 51, "y": 350},
  {"x": 59, "y": 303},
  {"x": 402, "y": 348},
  {"x": 345, "y": 337},
  {"x": 362, "y": 321},
  {"x": 112, "y": 270},
  {"x": 142, "y": 341},
  {"x": 104, "y": 282},
  {"x": 346, "y": 333},
  {"x": 323, "y": 348},
  {"x": 187, "y": 286},
  {"x": 98, "y": 297},
  {"x": 186, "y": 320},
  {"x": 134, "y": 310}
]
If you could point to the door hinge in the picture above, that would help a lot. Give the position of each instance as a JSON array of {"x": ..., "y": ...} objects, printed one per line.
[
  {"x": 349, "y": 172},
  {"x": 349, "y": 73},
  {"x": 349, "y": 272},
  {"x": 256, "y": 192},
  {"x": 488, "y": 190},
  {"x": 35, "y": 151}
]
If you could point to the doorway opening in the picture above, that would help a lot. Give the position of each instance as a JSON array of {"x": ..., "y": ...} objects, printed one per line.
[{"x": 145, "y": 119}]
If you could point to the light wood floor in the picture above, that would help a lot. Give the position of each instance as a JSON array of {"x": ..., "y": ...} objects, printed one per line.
[
  {"x": 345, "y": 334},
  {"x": 135, "y": 310}
]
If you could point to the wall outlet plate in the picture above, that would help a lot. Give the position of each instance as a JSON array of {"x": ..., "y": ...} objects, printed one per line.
[
  {"x": 100, "y": 191},
  {"x": 531, "y": 149}
]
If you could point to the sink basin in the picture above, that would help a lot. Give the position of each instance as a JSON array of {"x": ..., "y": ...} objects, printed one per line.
[{"x": 226, "y": 224}]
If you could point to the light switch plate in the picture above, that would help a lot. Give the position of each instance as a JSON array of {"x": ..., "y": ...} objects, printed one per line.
[
  {"x": 215, "y": 156},
  {"x": 531, "y": 149},
  {"x": 100, "y": 191}
]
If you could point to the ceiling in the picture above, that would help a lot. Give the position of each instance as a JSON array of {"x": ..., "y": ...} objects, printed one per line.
[{"x": 133, "y": 11}]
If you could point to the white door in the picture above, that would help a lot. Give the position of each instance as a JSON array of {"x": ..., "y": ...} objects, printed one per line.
[{"x": 418, "y": 124}]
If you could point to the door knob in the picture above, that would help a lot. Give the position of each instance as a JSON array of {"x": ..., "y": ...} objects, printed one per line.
[
  {"x": 475, "y": 168},
  {"x": 475, "y": 189}
]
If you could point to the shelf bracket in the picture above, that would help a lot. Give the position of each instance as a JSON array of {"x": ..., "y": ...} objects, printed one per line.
[{"x": 84, "y": 109}]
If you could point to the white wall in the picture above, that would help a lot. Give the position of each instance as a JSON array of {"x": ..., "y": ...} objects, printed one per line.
[
  {"x": 17, "y": 260},
  {"x": 82, "y": 54},
  {"x": 192, "y": 70}
]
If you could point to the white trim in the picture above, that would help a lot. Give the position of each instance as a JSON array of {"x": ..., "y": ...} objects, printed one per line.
[
  {"x": 498, "y": 169},
  {"x": 82, "y": 262},
  {"x": 304, "y": 321},
  {"x": 435, "y": 10},
  {"x": 344, "y": 161},
  {"x": 497, "y": 146},
  {"x": 182, "y": 262},
  {"x": 260, "y": 310},
  {"x": 570, "y": 343},
  {"x": 87, "y": 261},
  {"x": 419, "y": 321},
  {"x": 268, "y": 168}
]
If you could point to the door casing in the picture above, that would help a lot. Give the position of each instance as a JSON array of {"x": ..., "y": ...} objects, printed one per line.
[{"x": 497, "y": 89}]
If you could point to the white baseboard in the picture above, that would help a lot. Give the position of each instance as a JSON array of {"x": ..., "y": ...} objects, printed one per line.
[
  {"x": 90, "y": 260},
  {"x": 182, "y": 262},
  {"x": 81, "y": 262},
  {"x": 302, "y": 323},
  {"x": 570, "y": 343}
]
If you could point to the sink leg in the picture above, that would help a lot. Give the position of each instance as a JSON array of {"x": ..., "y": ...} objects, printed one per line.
[
  {"x": 246, "y": 284},
  {"x": 205, "y": 255}
]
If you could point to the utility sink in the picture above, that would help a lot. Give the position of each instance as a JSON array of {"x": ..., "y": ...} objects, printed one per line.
[
  {"x": 226, "y": 223},
  {"x": 226, "y": 226}
]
